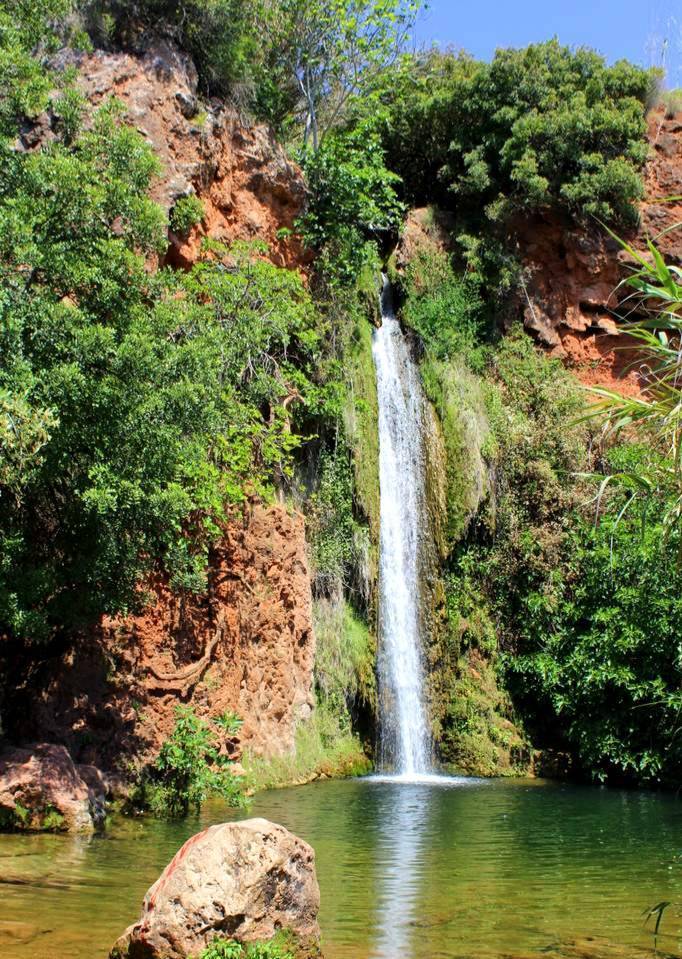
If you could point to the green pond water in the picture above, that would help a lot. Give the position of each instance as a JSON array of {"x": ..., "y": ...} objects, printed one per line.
[{"x": 405, "y": 871}]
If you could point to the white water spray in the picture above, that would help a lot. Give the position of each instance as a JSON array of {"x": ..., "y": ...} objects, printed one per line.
[{"x": 404, "y": 736}]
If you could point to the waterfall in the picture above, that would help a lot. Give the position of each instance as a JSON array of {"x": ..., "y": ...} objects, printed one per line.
[{"x": 404, "y": 735}]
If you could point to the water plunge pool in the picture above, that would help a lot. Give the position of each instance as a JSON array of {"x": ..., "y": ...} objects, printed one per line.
[{"x": 406, "y": 871}]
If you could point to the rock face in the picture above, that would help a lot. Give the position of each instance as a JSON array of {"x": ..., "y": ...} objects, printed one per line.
[
  {"x": 246, "y": 646},
  {"x": 250, "y": 190},
  {"x": 243, "y": 881},
  {"x": 41, "y": 788},
  {"x": 572, "y": 273}
]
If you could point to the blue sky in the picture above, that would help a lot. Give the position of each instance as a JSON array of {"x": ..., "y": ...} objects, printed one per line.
[{"x": 635, "y": 29}]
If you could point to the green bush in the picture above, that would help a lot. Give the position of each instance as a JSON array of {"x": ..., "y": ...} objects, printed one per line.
[
  {"x": 335, "y": 536},
  {"x": 190, "y": 767},
  {"x": 578, "y": 619},
  {"x": 26, "y": 85},
  {"x": 608, "y": 667},
  {"x": 278, "y": 948},
  {"x": 134, "y": 409},
  {"x": 536, "y": 127},
  {"x": 445, "y": 308},
  {"x": 352, "y": 199},
  {"x": 187, "y": 212}
]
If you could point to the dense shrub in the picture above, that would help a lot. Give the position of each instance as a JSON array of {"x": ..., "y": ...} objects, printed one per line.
[
  {"x": 608, "y": 666},
  {"x": 334, "y": 534},
  {"x": 190, "y": 767},
  {"x": 535, "y": 127},
  {"x": 278, "y": 948},
  {"x": 444, "y": 307},
  {"x": 352, "y": 200},
  {"x": 186, "y": 213},
  {"x": 584, "y": 613}
]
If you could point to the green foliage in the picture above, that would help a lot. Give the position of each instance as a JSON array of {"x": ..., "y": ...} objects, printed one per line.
[
  {"x": 135, "y": 410},
  {"x": 23, "y": 819},
  {"x": 344, "y": 660},
  {"x": 334, "y": 534},
  {"x": 457, "y": 397},
  {"x": 444, "y": 308},
  {"x": 334, "y": 50},
  {"x": 656, "y": 416},
  {"x": 361, "y": 413},
  {"x": 230, "y": 723},
  {"x": 535, "y": 455},
  {"x": 578, "y": 619},
  {"x": 535, "y": 127},
  {"x": 190, "y": 767},
  {"x": 609, "y": 667},
  {"x": 53, "y": 821},
  {"x": 27, "y": 29},
  {"x": 352, "y": 198},
  {"x": 278, "y": 948},
  {"x": 24, "y": 431},
  {"x": 187, "y": 212},
  {"x": 292, "y": 62}
]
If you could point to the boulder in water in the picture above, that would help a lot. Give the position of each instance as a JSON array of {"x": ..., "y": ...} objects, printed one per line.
[
  {"x": 41, "y": 788},
  {"x": 243, "y": 881}
]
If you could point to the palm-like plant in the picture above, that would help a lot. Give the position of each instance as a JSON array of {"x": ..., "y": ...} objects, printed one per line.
[{"x": 656, "y": 415}]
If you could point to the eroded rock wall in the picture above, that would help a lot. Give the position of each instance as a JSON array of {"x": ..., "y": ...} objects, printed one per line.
[
  {"x": 249, "y": 188},
  {"x": 245, "y": 646},
  {"x": 571, "y": 295}
]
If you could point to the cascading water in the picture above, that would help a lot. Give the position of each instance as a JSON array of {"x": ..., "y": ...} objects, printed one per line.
[{"x": 404, "y": 735}]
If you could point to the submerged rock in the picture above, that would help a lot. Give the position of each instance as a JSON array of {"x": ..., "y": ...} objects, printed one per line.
[
  {"x": 243, "y": 881},
  {"x": 41, "y": 788}
]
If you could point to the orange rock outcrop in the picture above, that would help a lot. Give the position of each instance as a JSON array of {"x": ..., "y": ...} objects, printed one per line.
[
  {"x": 572, "y": 293},
  {"x": 245, "y": 646}
]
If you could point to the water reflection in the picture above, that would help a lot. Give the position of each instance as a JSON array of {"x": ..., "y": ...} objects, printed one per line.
[{"x": 399, "y": 867}]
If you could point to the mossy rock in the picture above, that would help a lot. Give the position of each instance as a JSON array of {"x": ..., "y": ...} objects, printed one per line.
[{"x": 21, "y": 819}]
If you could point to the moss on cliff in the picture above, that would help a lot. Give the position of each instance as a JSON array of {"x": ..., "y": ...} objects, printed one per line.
[
  {"x": 329, "y": 744},
  {"x": 478, "y": 732},
  {"x": 472, "y": 716},
  {"x": 458, "y": 400},
  {"x": 324, "y": 750},
  {"x": 344, "y": 663},
  {"x": 360, "y": 416},
  {"x": 503, "y": 577}
]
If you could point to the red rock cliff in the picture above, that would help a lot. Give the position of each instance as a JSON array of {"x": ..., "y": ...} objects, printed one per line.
[
  {"x": 250, "y": 189},
  {"x": 245, "y": 646},
  {"x": 572, "y": 273}
]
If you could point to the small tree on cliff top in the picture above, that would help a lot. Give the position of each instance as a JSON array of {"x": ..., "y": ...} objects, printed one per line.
[{"x": 335, "y": 49}]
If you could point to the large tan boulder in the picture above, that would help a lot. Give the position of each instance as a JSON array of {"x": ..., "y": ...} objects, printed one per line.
[
  {"x": 243, "y": 881},
  {"x": 42, "y": 788}
]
